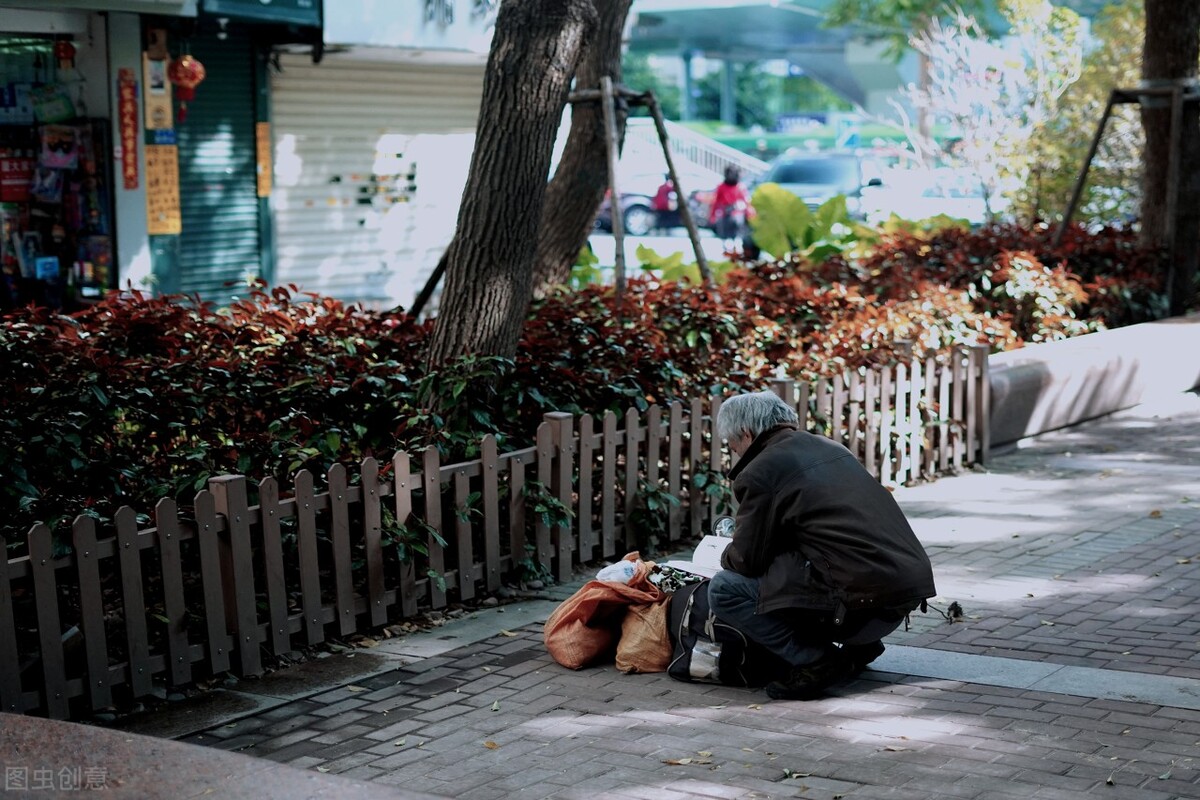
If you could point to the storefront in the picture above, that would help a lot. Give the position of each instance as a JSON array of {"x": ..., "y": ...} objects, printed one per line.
[
  {"x": 135, "y": 145},
  {"x": 214, "y": 235},
  {"x": 57, "y": 234}
]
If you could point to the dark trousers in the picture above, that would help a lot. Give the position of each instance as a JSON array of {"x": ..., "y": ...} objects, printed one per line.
[{"x": 797, "y": 636}]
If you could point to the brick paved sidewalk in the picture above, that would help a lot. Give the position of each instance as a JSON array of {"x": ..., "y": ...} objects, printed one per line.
[{"x": 1074, "y": 558}]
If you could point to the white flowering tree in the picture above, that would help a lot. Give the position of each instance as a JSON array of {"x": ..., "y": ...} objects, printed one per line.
[{"x": 994, "y": 94}]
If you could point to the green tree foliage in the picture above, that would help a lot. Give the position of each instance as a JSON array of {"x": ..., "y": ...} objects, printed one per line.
[
  {"x": 640, "y": 76},
  {"x": 1060, "y": 144},
  {"x": 894, "y": 21},
  {"x": 758, "y": 95},
  {"x": 996, "y": 93},
  {"x": 804, "y": 93}
]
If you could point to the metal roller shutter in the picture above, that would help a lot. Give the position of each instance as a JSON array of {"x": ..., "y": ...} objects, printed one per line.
[
  {"x": 370, "y": 161},
  {"x": 218, "y": 189}
]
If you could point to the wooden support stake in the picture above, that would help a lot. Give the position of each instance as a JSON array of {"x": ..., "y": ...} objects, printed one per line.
[
  {"x": 685, "y": 211},
  {"x": 608, "y": 108}
]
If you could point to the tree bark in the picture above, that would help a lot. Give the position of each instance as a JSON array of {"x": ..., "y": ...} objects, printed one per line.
[
  {"x": 489, "y": 263},
  {"x": 577, "y": 188},
  {"x": 1171, "y": 52}
]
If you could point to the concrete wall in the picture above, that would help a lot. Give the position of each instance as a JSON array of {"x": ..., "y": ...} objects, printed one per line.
[{"x": 1047, "y": 386}]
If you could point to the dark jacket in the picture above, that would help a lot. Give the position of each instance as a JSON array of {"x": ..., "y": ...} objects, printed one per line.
[{"x": 820, "y": 531}]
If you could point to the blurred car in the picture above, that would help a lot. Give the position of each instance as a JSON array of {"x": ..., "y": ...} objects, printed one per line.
[
  {"x": 816, "y": 177},
  {"x": 637, "y": 202},
  {"x": 637, "y": 214},
  {"x": 921, "y": 194}
]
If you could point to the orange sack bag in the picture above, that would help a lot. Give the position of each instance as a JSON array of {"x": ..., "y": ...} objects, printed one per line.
[{"x": 586, "y": 626}]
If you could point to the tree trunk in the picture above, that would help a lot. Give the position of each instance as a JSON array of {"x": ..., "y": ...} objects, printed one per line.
[
  {"x": 578, "y": 186},
  {"x": 489, "y": 263},
  {"x": 1171, "y": 52}
]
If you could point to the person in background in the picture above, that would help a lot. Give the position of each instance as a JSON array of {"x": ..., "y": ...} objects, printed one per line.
[
  {"x": 666, "y": 205},
  {"x": 823, "y": 563},
  {"x": 730, "y": 207}
]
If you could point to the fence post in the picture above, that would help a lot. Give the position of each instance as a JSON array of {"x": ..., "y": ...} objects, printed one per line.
[
  {"x": 91, "y": 611},
  {"x": 45, "y": 595},
  {"x": 715, "y": 455},
  {"x": 229, "y": 495},
  {"x": 339, "y": 534},
  {"x": 402, "y": 469},
  {"x": 562, "y": 434},
  {"x": 373, "y": 539},
  {"x": 166, "y": 520},
  {"x": 608, "y": 486},
  {"x": 273, "y": 570},
  {"x": 632, "y": 436},
  {"x": 490, "y": 494},
  {"x": 431, "y": 478},
  {"x": 464, "y": 548},
  {"x": 133, "y": 600},
  {"x": 695, "y": 440},
  {"x": 983, "y": 397},
  {"x": 785, "y": 389},
  {"x": 674, "y": 468},
  {"x": 307, "y": 554},
  {"x": 10, "y": 671},
  {"x": 216, "y": 626}
]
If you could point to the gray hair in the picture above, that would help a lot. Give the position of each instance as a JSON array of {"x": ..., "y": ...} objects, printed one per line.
[{"x": 753, "y": 413}]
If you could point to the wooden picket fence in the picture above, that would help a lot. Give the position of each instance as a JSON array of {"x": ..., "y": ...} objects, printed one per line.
[{"x": 212, "y": 587}]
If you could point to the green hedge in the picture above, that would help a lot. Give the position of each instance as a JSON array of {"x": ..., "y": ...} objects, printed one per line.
[{"x": 141, "y": 398}]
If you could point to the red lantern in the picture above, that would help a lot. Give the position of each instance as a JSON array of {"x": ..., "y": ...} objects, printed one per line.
[
  {"x": 64, "y": 52},
  {"x": 186, "y": 73}
]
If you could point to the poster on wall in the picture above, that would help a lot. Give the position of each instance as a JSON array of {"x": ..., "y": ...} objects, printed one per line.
[
  {"x": 60, "y": 147},
  {"x": 263, "y": 168},
  {"x": 156, "y": 94},
  {"x": 163, "y": 216},
  {"x": 127, "y": 112}
]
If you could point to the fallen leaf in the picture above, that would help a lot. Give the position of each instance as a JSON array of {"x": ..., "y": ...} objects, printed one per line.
[
  {"x": 496, "y": 706},
  {"x": 507, "y": 633},
  {"x": 353, "y": 688},
  {"x": 717, "y": 708},
  {"x": 1155, "y": 514},
  {"x": 788, "y": 773},
  {"x": 704, "y": 753},
  {"x": 487, "y": 669},
  {"x": 1183, "y": 561},
  {"x": 399, "y": 742},
  {"x": 677, "y": 762},
  {"x": 1050, "y": 624},
  {"x": 1166, "y": 776},
  {"x": 748, "y": 749},
  {"x": 489, "y": 744},
  {"x": 755, "y": 706},
  {"x": 895, "y": 748},
  {"x": 322, "y": 769}
]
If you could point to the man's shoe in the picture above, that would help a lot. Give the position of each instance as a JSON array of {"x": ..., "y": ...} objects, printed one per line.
[
  {"x": 860, "y": 655},
  {"x": 810, "y": 681}
]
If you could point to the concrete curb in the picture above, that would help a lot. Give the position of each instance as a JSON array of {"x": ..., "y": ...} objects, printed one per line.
[{"x": 1057, "y": 384}]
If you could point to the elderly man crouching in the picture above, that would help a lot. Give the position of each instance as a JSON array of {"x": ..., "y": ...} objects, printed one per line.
[{"x": 823, "y": 563}]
